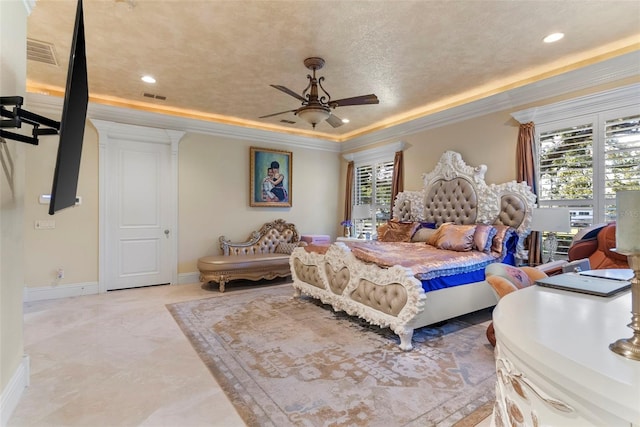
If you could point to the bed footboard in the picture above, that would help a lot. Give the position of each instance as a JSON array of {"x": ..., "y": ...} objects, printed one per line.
[{"x": 386, "y": 297}]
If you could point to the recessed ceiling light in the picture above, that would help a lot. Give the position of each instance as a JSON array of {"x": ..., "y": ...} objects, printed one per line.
[
  {"x": 345, "y": 120},
  {"x": 553, "y": 37},
  {"x": 148, "y": 79}
]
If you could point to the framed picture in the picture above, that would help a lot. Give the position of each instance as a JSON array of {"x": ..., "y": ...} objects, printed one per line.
[{"x": 271, "y": 177}]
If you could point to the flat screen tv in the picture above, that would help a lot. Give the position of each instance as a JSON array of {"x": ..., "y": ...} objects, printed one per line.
[{"x": 72, "y": 123}]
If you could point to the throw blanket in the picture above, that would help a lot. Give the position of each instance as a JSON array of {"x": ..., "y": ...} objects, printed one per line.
[{"x": 426, "y": 261}]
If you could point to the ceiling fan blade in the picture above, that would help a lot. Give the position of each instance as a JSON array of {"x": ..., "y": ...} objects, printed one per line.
[
  {"x": 356, "y": 100},
  {"x": 289, "y": 92},
  {"x": 334, "y": 121},
  {"x": 277, "y": 114}
]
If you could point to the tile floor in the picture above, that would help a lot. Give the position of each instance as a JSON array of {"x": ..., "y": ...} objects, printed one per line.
[{"x": 119, "y": 359}]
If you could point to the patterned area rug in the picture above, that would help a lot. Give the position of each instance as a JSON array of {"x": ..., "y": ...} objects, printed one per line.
[{"x": 295, "y": 362}]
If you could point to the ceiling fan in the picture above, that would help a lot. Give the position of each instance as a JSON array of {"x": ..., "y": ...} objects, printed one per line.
[{"x": 316, "y": 109}]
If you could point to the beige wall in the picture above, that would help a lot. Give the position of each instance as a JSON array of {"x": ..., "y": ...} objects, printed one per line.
[
  {"x": 13, "y": 28},
  {"x": 213, "y": 191},
  {"x": 213, "y": 201},
  {"x": 73, "y": 244},
  {"x": 489, "y": 140},
  {"x": 214, "y": 194}
]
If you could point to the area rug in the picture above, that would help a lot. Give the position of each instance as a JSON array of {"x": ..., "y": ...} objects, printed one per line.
[{"x": 286, "y": 361}]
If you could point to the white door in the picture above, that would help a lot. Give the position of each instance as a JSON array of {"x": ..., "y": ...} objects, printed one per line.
[
  {"x": 138, "y": 205},
  {"x": 141, "y": 233}
]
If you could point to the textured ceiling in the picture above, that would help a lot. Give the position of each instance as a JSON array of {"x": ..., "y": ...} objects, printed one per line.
[{"x": 215, "y": 60}]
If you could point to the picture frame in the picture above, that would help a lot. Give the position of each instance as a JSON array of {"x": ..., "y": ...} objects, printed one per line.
[{"x": 270, "y": 186}]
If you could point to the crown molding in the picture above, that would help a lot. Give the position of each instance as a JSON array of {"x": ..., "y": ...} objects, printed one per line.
[
  {"x": 375, "y": 154},
  {"x": 621, "y": 97},
  {"x": 114, "y": 130},
  {"x": 609, "y": 71},
  {"x": 52, "y": 106},
  {"x": 612, "y": 70}
]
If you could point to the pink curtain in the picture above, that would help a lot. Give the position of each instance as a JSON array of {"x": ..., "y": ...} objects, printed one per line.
[
  {"x": 348, "y": 192},
  {"x": 397, "y": 183},
  {"x": 525, "y": 171}
]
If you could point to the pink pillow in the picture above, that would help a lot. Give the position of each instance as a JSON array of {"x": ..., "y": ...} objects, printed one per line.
[
  {"x": 517, "y": 277},
  {"x": 498, "y": 240},
  {"x": 398, "y": 231},
  {"x": 483, "y": 238},
  {"x": 456, "y": 237}
]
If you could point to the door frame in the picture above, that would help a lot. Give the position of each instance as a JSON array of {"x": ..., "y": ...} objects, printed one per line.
[{"x": 107, "y": 131}]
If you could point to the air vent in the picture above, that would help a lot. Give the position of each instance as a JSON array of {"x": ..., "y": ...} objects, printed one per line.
[
  {"x": 289, "y": 122},
  {"x": 41, "y": 52},
  {"x": 154, "y": 96}
]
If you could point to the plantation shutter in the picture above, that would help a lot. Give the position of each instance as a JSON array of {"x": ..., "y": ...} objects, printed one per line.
[
  {"x": 364, "y": 185},
  {"x": 384, "y": 176},
  {"x": 621, "y": 159},
  {"x": 566, "y": 164},
  {"x": 373, "y": 184}
]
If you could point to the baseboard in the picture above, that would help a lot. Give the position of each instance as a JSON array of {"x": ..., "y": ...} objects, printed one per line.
[
  {"x": 60, "y": 291},
  {"x": 185, "y": 278},
  {"x": 13, "y": 391}
]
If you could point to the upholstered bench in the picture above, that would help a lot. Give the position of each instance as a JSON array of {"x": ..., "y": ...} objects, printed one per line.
[{"x": 265, "y": 255}]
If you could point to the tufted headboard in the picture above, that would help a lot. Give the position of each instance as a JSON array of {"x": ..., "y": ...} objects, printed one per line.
[{"x": 455, "y": 192}]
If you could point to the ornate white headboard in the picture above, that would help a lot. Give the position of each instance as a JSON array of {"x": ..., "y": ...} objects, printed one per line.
[{"x": 456, "y": 192}]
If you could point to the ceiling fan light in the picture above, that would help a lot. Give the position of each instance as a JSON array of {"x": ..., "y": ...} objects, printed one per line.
[{"x": 314, "y": 115}]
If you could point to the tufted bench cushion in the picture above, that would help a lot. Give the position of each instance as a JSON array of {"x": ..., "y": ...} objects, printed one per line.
[
  {"x": 222, "y": 263},
  {"x": 221, "y": 268},
  {"x": 265, "y": 255}
]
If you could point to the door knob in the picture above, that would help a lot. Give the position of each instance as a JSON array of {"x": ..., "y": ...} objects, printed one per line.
[{"x": 166, "y": 233}]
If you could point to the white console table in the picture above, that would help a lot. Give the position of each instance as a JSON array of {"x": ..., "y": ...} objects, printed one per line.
[{"x": 553, "y": 362}]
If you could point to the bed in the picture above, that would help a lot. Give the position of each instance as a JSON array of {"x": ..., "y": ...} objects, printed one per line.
[{"x": 408, "y": 284}]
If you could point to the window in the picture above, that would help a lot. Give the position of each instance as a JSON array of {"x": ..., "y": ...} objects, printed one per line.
[
  {"x": 583, "y": 165},
  {"x": 584, "y": 161},
  {"x": 373, "y": 176},
  {"x": 372, "y": 194},
  {"x": 587, "y": 149}
]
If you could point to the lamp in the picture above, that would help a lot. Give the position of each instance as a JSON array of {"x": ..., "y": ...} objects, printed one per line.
[
  {"x": 552, "y": 221},
  {"x": 314, "y": 114},
  {"x": 628, "y": 243}
]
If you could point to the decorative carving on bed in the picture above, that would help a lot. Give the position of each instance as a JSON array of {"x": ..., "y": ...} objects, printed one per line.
[
  {"x": 456, "y": 192},
  {"x": 386, "y": 297},
  {"x": 393, "y": 296}
]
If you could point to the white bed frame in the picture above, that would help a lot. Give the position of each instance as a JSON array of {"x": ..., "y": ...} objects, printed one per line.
[{"x": 393, "y": 297}]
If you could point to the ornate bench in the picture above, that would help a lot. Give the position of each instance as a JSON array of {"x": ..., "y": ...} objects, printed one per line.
[{"x": 265, "y": 255}]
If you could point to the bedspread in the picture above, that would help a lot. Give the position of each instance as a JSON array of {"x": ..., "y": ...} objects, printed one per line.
[{"x": 426, "y": 261}]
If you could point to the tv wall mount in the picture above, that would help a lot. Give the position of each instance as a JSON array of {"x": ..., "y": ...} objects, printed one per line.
[{"x": 16, "y": 116}]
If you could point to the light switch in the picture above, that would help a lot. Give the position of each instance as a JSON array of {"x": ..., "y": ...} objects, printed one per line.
[{"x": 45, "y": 224}]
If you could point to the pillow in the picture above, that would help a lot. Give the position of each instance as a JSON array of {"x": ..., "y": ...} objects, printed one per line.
[
  {"x": 483, "y": 238},
  {"x": 286, "y": 248},
  {"x": 433, "y": 239},
  {"x": 498, "y": 239},
  {"x": 382, "y": 229},
  {"x": 423, "y": 234},
  {"x": 501, "y": 285},
  {"x": 398, "y": 231},
  {"x": 456, "y": 237},
  {"x": 505, "y": 278}
]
